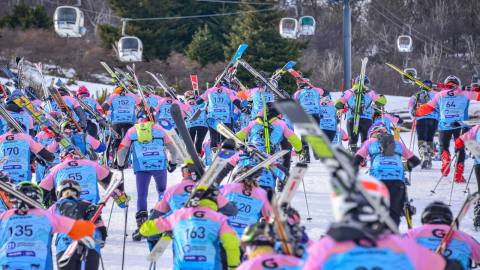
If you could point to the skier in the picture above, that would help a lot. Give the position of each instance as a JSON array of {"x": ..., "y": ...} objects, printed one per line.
[
  {"x": 425, "y": 125},
  {"x": 148, "y": 143},
  {"x": 472, "y": 135},
  {"x": 70, "y": 205},
  {"x": 47, "y": 139},
  {"x": 121, "y": 107},
  {"x": 258, "y": 241},
  {"x": 73, "y": 106},
  {"x": 200, "y": 227},
  {"x": 18, "y": 114},
  {"x": 389, "y": 120},
  {"x": 257, "y": 131},
  {"x": 328, "y": 117},
  {"x": 84, "y": 95},
  {"x": 251, "y": 200},
  {"x": 87, "y": 144},
  {"x": 153, "y": 101},
  {"x": 26, "y": 232},
  {"x": 197, "y": 128},
  {"x": 177, "y": 195},
  {"x": 436, "y": 220},
  {"x": 452, "y": 103},
  {"x": 88, "y": 173},
  {"x": 309, "y": 98},
  {"x": 369, "y": 97},
  {"x": 259, "y": 96},
  {"x": 340, "y": 136},
  {"x": 386, "y": 155},
  {"x": 220, "y": 100},
  {"x": 359, "y": 239},
  {"x": 18, "y": 148},
  {"x": 165, "y": 104}
]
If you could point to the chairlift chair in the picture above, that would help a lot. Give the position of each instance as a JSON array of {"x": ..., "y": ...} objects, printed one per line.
[
  {"x": 404, "y": 43},
  {"x": 307, "y": 25},
  {"x": 130, "y": 49},
  {"x": 412, "y": 72},
  {"x": 69, "y": 21},
  {"x": 289, "y": 27}
]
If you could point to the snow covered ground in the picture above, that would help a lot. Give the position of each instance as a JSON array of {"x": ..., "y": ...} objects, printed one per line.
[{"x": 316, "y": 182}]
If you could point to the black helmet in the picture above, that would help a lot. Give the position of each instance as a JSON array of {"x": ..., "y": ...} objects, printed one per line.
[
  {"x": 29, "y": 189},
  {"x": 258, "y": 234},
  {"x": 437, "y": 213}
]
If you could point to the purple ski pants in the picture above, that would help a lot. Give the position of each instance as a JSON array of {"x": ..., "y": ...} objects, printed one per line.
[{"x": 143, "y": 181}]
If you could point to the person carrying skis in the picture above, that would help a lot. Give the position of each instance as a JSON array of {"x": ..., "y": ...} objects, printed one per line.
[
  {"x": 436, "y": 220},
  {"x": 258, "y": 241},
  {"x": 328, "y": 117},
  {"x": 197, "y": 128},
  {"x": 84, "y": 95},
  {"x": 73, "y": 106},
  {"x": 121, "y": 108},
  {"x": 177, "y": 195},
  {"x": 47, "y": 139},
  {"x": 259, "y": 97},
  {"x": 70, "y": 205},
  {"x": 359, "y": 238},
  {"x": 199, "y": 226},
  {"x": 389, "y": 120},
  {"x": 472, "y": 135},
  {"x": 86, "y": 172},
  {"x": 153, "y": 100},
  {"x": 165, "y": 104},
  {"x": 386, "y": 165},
  {"x": 18, "y": 147},
  {"x": 251, "y": 200},
  {"x": 148, "y": 143},
  {"x": 87, "y": 144},
  {"x": 425, "y": 125},
  {"x": 220, "y": 101},
  {"x": 309, "y": 98},
  {"x": 26, "y": 231},
  {"x": 452, "y": 104},
  {"x": 348, "y": 100},
  {"x": 18, "y": 114},
  {"x": 266, "y": 132}
]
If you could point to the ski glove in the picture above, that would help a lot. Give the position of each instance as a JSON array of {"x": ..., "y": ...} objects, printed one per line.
[
  {"x": 121, "y": 198},
  {"x": 80, "y": 229},
  {"x": 459, "y": 144},
  {"x": 171, "y": 167},
  {"x": 149, "y": 228}
]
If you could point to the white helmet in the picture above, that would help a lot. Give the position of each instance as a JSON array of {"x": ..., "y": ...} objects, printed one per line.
[{"x": 355, "y": 206}]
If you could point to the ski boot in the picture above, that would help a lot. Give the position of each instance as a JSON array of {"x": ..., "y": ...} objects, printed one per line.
[
  {"x": 353, "y": 149},
  {"x": 430, "y": 155},
  {"x": 422, "y": 152},
  {"x": 445, "y": 163},
  {"x": 476, "y": 216},
  {"x": 458, "y": 177},
  {"x": 140, "y": 217},
  {"x": 305, "y": 157}
]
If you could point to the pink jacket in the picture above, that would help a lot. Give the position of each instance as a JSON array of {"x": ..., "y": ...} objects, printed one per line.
[{"x": 270, "y": 260}]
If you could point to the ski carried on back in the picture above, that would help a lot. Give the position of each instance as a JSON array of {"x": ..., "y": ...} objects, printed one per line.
[
  {"x": 142, "y": 95},
  {"x": 9, "y": 188},
  {"x": 208, "y": 178},
  {"x": 9, "y": 118},
  {"x": 164, "y": 86},
  {"x": 178, "y": 143},
  {"x": 279, "y": 73},
  {"x": 357, "y": 110},
  {"x": 259, "y": 76},
  {"x": 117, "y": 180},
  {"x": 409, "y": 76},
  {"x": 469, "y": 201},
  {"x": 337, "y": 160},
  {"x": 263, "y": 164},
  {"x": 55, "y": 95},
  {"x": 102, "y": 121},
  {"x": 231, "y": 66}
]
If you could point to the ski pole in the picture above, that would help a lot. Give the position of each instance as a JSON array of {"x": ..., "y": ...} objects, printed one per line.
[
  {"x": 432, "y": 191},
  {"x": 453, "y": 179},
  {"x": 124, "y": 236},
  {"x": 101, "y": 261},
  {"x": 306, "y": 201},
  {"x": 110, "y": 216},
  {"x": 468, "y": 181}
]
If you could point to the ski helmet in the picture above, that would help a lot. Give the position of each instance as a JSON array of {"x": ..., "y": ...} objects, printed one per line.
[
  {"x": 366, "y": 80},
  {"x": 437, "y": 213},
  {"x": 452, "y": 80},
  {"x": 189, "y": 95},
  {"x": 258, "y": 234},
  {"x": 204, "y": 196},
  {"x": 377, "y": 128},
  {"x": 29, "y": 189},
  {"x": 118, "y": 90},
  {"x": 354, "y": 206},
  {"x": 83, "y": 91},
  {"x": 68, "y": 185}
]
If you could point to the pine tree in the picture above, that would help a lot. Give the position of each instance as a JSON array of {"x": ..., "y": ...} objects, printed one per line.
[
  {"x": 205, "y": 47},
  {"x": 267, "y": 50},
  {"x": 26, "y": 17}
]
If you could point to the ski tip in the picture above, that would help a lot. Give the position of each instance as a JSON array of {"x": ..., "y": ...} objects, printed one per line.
[{"x": 290, "y": 64}]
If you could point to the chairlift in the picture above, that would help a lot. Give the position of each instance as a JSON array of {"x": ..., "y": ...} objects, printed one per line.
[
  {"x": 412, "y": 72},
  {"x": 404, "y": 43},
  {"x": 307, "y": 25},
  {"x": 130, "y": 49},
  {"x": 289, "y": 27},
  {"x": 69, "y": 21}
]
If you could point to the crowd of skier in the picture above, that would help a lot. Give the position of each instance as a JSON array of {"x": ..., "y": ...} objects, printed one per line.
[{"x": 230, "y": 210}]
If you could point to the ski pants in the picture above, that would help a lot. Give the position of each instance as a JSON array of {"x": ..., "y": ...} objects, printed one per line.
[
  {"x": 330, "y": 134},
  {"x": 445, "y": 136},
  {"x": 198, "y": 135},
  {"x": 92, "y": 129},
  {"x": 287, "y": 158},
  {"x": 397, "y": 191},
  {"x": 426, "y": 129},
  {"x": 75, "y": 263},
  {"x": 215, "y": 137},
  {"x": 120, "y": 128},
  {"x": 304, "y": 143},
  {"x": 143, "y": 182},
  {"x": 363, "y": 126}
]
